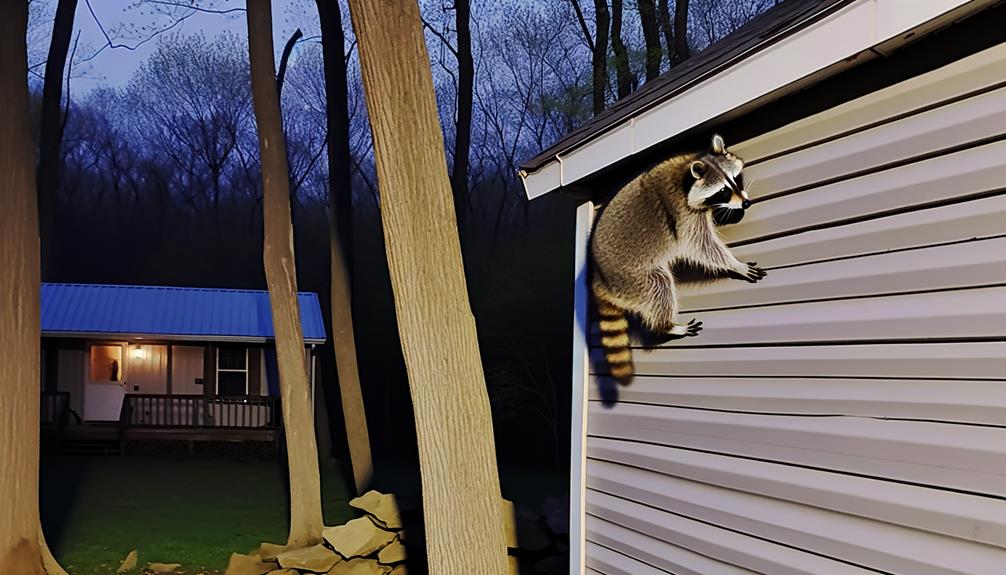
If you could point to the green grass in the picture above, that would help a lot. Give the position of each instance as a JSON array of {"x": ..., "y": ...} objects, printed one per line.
[{"x": 189, "y": 511}]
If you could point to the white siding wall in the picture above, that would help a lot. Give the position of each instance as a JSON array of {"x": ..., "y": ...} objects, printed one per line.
[{"x": 847, "y": 414}]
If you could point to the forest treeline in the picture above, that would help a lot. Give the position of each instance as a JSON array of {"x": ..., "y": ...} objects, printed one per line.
[{"x": 159, "y": 179}]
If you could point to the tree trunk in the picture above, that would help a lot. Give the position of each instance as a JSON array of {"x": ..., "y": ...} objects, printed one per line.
[
  {"x": 623, "y": 74},
  {"x": 50, "y": 163},
  {"x": 666, "y": 27},
  {"x": 461, "y": 492},
  {"x": 284, "y": 60},
  {"x": 340, "y": 196},
  {"x": 599, "y": 58},
  {"x": 651, "y": 35},
  {"x": 22, "y": 547},
  {"x": 281, "y": 276},
  {"x": 681, "y": 50},
  {"x": 466, "y": 86}
]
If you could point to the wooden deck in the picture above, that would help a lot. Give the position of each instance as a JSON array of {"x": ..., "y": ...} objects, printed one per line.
[{"x": 174, "y": 418}]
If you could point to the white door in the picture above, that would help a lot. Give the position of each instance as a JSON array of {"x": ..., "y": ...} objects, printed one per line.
[{"x": 104, "y": 386}]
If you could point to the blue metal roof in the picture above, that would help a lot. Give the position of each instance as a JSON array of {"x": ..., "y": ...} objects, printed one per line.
[{"x": 168, "y": 312}]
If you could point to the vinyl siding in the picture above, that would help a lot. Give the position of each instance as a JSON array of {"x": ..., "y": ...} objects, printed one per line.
[{"x": 848, "y": 413}]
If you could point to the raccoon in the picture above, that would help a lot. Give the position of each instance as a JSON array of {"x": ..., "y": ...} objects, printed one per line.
[{"x": 662, "y": 218}]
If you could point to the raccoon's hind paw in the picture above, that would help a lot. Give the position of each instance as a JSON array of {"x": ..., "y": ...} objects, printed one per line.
[
  {"x": 690, "y": 329},
  {"x": 752, "y": 274}
]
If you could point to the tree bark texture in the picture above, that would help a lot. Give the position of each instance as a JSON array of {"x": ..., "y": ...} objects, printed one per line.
[
  {"x": 651, "y": 36},
  {"x": 681, "y": 49},
  {"x": 306, "y": 521},
  {"x": 461, "y": 493},
  {"x": 50, "y": 162},
  {"x": 284, "y": 59},
  {"x": 340, "y": 196},
  {"x": 463, "y": 127},
  {"x": 623, "y": 74},
  {"x": 22, "y": 547},
  {"x": 599, "y": 58}
]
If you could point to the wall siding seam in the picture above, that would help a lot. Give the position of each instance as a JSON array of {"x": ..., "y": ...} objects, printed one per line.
[
  {"x": 741, "y": 533},
  {"x": 866, "y": 217},
  {"x": 878, "y": 123}
]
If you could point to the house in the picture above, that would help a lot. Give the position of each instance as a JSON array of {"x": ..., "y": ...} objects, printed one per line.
[
  {"x": 184, "y": 362},
  {"x": 847, "y": 414}
]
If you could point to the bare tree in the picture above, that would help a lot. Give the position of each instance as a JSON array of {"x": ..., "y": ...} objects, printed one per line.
[
  {"x": 340, "y": 194},
  {"x": 681, "y": 50},
  {"x": 22, "y": 546},
  {"x": 598, "y": 48},
  {"x": 651, "y": 35},
  {"x": 623, "y": 72},
  {"x": 463, "y": 126},
  {"x": 461, "y": 493},
  {"x": 306, "y": 521},
  {"x": 51, "y": 132}
]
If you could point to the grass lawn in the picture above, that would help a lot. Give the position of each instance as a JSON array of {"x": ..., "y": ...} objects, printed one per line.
[{"x": 189, "y": 511}]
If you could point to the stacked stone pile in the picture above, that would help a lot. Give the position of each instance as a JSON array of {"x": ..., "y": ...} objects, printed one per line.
[{"x": 379, "y": 542}]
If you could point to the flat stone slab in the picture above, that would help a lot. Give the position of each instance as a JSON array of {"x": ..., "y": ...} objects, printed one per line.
[
  {"x": 129, "y": 563},
  {"x": 284, "y": 572},
  {"x": 240, "y": 564},
  {"x": 316, "y": 559},
  {"x": 270, "y": 551},
  {"x": 393, "y": 553},
  {"x": 360, "y": 566},
  {"x": 381, "y": 507},
  {"x": 357, "y": 538},
  {"x": 400, "y": 570},
  {"x": 522, "y": 528},
  {"x": 164, "y": 567}
]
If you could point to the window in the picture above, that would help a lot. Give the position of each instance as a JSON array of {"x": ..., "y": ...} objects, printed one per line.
[
  {"x": 232, "y": 371},
  {"x": 106, "y": 363}
]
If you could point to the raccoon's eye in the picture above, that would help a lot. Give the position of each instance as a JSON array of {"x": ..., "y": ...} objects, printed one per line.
[{"x": 720, "y": 197}]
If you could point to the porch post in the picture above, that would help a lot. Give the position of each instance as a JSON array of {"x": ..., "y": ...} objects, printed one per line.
[
  {"x": 169, "y": 368},
  {"x": 209, "y": 380}
]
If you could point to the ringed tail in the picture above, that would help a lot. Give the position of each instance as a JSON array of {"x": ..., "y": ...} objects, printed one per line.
[{"x": 615, "y": 340}]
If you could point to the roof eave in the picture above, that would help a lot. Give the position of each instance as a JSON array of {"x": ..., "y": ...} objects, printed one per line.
[
  {"x": 769, "y": 70},
  {"x": 169, "y": 337}
]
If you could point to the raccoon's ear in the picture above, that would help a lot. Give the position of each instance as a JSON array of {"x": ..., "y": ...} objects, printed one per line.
[
  {"x": 698, "y": 169},
  {"x": 719, "y": 147}
]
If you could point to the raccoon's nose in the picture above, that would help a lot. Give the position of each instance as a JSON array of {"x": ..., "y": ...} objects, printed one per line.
[{"x": 746, "y": 204}]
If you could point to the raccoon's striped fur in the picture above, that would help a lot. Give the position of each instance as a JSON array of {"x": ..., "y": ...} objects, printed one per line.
[{"x": 661, "y": 218}]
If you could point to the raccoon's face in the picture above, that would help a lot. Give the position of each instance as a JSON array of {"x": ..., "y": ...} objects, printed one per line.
[{"x": 717, "y": 182}]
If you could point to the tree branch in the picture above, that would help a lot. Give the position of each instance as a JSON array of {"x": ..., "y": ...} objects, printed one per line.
[
  {"x": 583, "y": 24},
  {"x": 440, "y": 35},
  {"x": 285, "y": 58}
]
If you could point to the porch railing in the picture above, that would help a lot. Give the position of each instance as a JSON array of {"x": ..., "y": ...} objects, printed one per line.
[{"x": 177, "y": 411}]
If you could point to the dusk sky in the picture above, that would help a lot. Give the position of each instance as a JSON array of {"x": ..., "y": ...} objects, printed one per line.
[{"x": 129, "y": 22}]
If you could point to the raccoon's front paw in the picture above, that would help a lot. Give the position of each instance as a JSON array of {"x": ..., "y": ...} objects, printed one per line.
[
  {"x": 752, "y": 273},
  {"x": 690, "y": 329}
]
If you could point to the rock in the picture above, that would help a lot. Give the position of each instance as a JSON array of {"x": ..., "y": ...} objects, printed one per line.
[
  {"x": 392, "y": 553},
  {"x": 400, "y": 570},
  {"x": 513, "y": 564},
  {"x": 160, "y": 568},
  {"x": 357, "y": 538},
  {"x": 317, "y": 559},
  {"x": 284, "y": 572},
  {"x": 129, "y": 563},
  {"x": 249, "y": 565},
  {"x": 360, "y": 566},
  {"x": 381, "y": 507},
  {"x": 270, "y": 551}
]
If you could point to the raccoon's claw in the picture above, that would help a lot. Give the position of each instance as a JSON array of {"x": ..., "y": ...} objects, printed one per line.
[
  {"x": 680, "y": 330},
  {"x": 694, "y": 327},
  {"x": 752, "y": 275}
]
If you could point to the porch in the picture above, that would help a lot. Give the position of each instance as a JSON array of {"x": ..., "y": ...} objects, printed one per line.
[{"x": 181, "y": 419}]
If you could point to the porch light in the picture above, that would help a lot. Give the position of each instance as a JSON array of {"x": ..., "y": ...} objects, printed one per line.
[{"x": 139, "y": 353}]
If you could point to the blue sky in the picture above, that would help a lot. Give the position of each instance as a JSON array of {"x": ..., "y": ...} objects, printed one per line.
[{"x": 129, "y": 22}]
